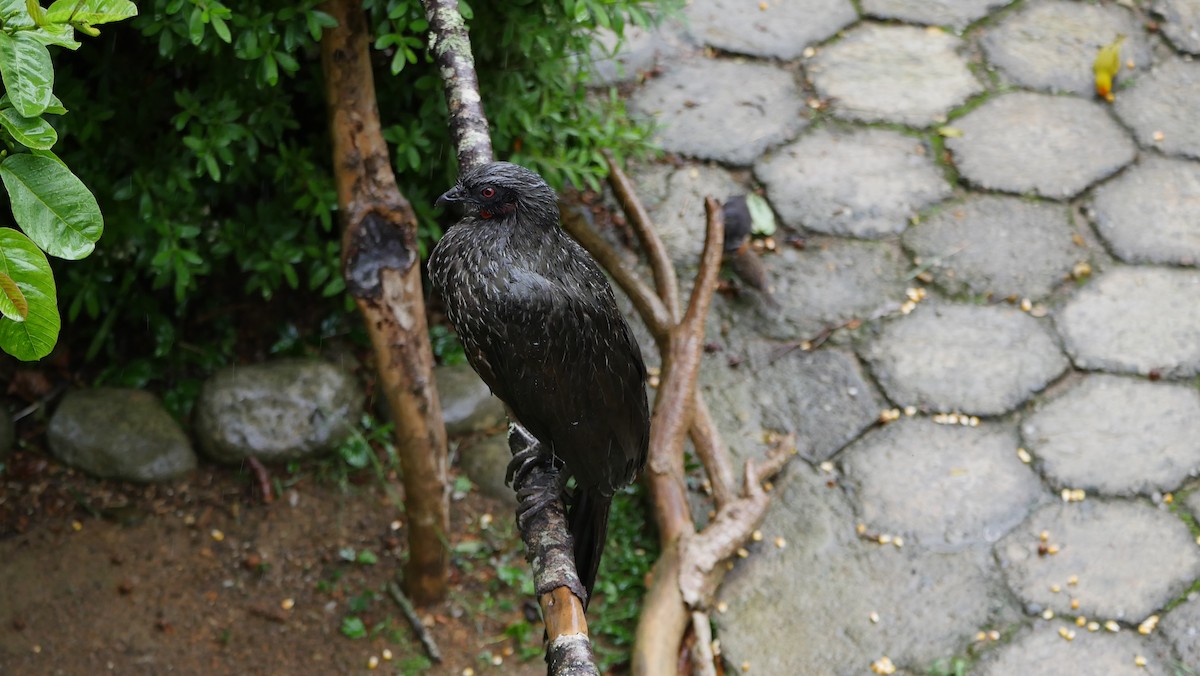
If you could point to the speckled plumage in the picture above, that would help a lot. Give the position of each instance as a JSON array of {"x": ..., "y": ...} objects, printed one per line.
[{"x": 538, "y": 321}]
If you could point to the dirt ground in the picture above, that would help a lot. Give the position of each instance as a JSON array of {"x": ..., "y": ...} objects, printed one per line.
[{"x": 201, "y": 577}]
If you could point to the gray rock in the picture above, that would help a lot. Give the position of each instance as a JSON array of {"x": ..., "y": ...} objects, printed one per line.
[
  {"x": 759, "y": 107},
  {"x": 485, "y": 462},
  {"x": 819, "y": 591},
  {"x": 1118, "y": 436},
  {"x": 866, "y": 183},
  {"x": 1130, "y": 559},
  {"x": 1135, "y": 320},
  {"x": 955, "y": 13},
  {"x": 1160, "y": 108},
  {"x": 902, "y": 74},
  {"x": 1050, "y": 45},
  {"x": 467, "y": 402},
  {"x": 941, "y": 484},
  {"x": 991, "y": 245},
  {"x": 679, "y": 217},
  {"x": 277, "y": 411},
  {"x": 119, "y": 434},
  {"x": 1181, "y": 23},
  {"x": 641, "y": 49},
  {"x": 822, "y": 397},
  {"x": 965, "y": 358},
  {"x": 828, "y": 283},
  {"x": 1181, "y": 626},
  {"x": 777, "y": 29},
  {"x": 1042, "y": 651},
  {"x": 1148, "y": 213},
  {"x": 1192, "y": 502},
  {"x": 1049, "y": 145}
]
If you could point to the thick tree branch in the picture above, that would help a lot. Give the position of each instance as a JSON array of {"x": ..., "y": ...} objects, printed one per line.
[
  {"x": 451, "y": 47},
  {"x": 379, "y": 263}
]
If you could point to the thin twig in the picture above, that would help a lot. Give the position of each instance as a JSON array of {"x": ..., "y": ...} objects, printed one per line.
[
  {"x": 703, "y": 661},
  {"x": 263, "y": 477},
  {"x": 418, "y": 627}
]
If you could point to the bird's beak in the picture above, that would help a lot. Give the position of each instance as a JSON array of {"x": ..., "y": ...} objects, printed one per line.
[{"x": 452, "y": 196}]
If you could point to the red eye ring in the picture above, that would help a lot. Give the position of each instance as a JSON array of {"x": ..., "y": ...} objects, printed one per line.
[{"x": 488, "y": 192}]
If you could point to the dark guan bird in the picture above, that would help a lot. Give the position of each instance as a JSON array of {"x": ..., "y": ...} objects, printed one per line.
[{"x": 539, "y": 323}]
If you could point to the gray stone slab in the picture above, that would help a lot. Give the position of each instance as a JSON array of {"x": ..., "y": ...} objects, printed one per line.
[
  {"x": 1181, "y": 23},
  {"x": 941, "y": 484},
  {"x": 810, "y": 603},
  {"x": 967, "y": 358},
  {"x": 901, "y": 74},
  {"x": 679, "y": 216},
  {"x": 1192, "y": 503},
  {"x": 1181, "y": 626},
  {"x": 1050, "y": 45},
  {"x": 1135, "y": 320},
  {"x": 1049, "y": 145},
  {"x": 759, "y": 107},
  {"x": 827, "y": 284},
  {"x": 1129, "y": 559},
  {"x": 1118, "y": 436},
  {"x": 467, "y": 402},
  {"x": 1149, "y": 214},
  {"x": 1161, "y": 108},
  {"x": 956, "y": 13},
  {"x": 996, "y": 245},
  {"x": 485, "y": 462},
  {"x": 778, "y": 28},
  {"x": 614, "y": 61},
  {"x": 822, "y": 397},
  {"x": 1042, "y": 651},
  {"x": 865, "y": 183}
]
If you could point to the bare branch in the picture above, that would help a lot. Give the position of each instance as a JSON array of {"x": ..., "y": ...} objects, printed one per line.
[
  {"x": 451, "y": 47},
  {"x": 713, "y": 453},
  {"x": 418, "y": 627},
  {"x": 703, "y": 660}
]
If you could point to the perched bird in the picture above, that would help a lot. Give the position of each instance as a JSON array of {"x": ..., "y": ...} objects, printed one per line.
[
  {"x": 539, "y": 323},
  {"x": 1106, "y": 66}
]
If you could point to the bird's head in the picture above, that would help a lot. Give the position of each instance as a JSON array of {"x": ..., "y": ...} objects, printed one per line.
[{"x": 501, "y": 190}]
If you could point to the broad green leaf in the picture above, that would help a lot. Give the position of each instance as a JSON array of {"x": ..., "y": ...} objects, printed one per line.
[
  {"x": 52, "y": 206},
  {"x": 762, "y": 219},
  {"x": 61, "y": 34},
  {"x": 25, "y": 263},
  {"x": 91, "y": 12},
  {"x": 12, "y": 302},
  {"x": 27, "y": 72},
  {"x": 35, "y": 12},
  {"x": 15, "y": 15},
  {"x": 31, "y": 132}
]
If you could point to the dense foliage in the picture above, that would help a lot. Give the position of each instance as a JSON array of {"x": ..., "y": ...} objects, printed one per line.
[{"x": 201, "y": 128}]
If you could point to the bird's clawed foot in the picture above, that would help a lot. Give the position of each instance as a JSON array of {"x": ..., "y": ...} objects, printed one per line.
[{"x": 540, "y": 491}]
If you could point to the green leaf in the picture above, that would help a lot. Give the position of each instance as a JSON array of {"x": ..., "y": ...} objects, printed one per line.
[
  {"x": 35, "y": 12},
  {"x": 221, "y": 29},
  {"x": 25, "y": 263},
  {"x": 91, "y": 12},
  {"x": 353, "y": 627},
  {"x": 762, "y": 219},
  {"x": 12, "y": 302},
  {"x": 60, "y": 34},
  {"x": 31, "y": 132},
  {"x": 27, "y": 71},
  {"x": 52, "y": 205}
]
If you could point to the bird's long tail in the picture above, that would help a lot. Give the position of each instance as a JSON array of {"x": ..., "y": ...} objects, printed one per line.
[{"x": 588, "y": 522}]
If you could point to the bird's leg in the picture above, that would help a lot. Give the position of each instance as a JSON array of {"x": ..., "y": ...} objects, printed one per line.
[
  {"x": 532, "y": 473},
  {"x": 527, "y": 453},
  {"x": 540, "y": 491}
]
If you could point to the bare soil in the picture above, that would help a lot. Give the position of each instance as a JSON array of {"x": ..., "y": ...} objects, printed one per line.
[{"x": 201, "y": 577}]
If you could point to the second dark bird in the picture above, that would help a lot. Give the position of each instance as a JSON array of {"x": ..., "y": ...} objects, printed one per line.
[{"x": 539, "y": 323}]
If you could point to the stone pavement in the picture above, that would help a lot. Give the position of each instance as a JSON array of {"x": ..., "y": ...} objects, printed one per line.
[{"x": 999, "y": 444}]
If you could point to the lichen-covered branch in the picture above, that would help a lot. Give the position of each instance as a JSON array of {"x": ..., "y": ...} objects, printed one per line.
[{"x": 451, "y": 47}]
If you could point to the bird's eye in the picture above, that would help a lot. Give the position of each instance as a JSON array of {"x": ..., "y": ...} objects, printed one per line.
[{"x": 488, "y": 193}]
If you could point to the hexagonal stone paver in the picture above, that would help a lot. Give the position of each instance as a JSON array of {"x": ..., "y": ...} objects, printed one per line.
[
  {"x": 893, "y": 73},
  {"x": 1051, "y": 45},
  {"x": 1148, "y": 214},
  {"x": 828, "y": 283},
  {"x": 1182, "y": 627},
  {"x": 780, "y": 29},
  {"x": 968, "y": 358},
  {"x": 759, "y": 106},
  {"x": 1181, "y": 23},
  {"x": 996, "y": 245},
  {"x": 822, "y": 397},
  {"x": 1161, "y": 108},
  {"x": 1129, "y": 558},
  {"x": 1053, "y": 146},
  {"x": 957, "y": 13},
  {"x": 1135, "y": 320},
  {"x": 1041, "y": 650},
  {"x": 1118, "y": 436},
  {"x": 639, "y": 51},
  {"x": 941, "y": 484},
  {"x": 929, "y": 604},
  {"x": 865, "y": 183},
  {"x": 679, "y": 217}
]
